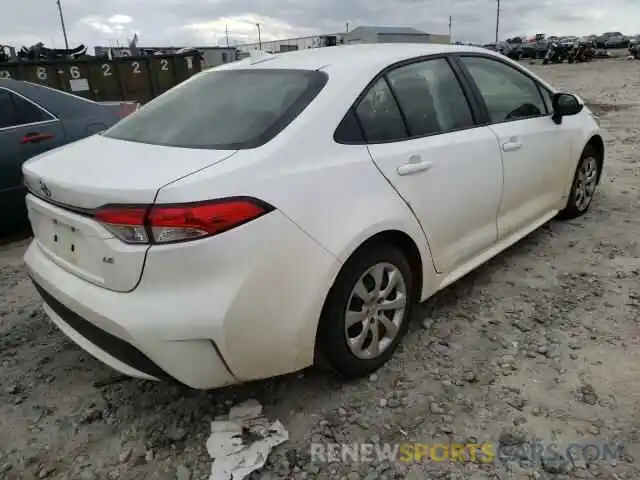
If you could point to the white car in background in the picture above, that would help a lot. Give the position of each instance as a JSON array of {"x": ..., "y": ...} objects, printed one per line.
[{"x": 288, "y": 210}]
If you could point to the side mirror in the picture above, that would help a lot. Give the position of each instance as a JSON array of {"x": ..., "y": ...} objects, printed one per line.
[{"x": 565, "y": 104}]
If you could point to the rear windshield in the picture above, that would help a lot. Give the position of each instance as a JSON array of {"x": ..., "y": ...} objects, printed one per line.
[{"x": 226, "y": 110}]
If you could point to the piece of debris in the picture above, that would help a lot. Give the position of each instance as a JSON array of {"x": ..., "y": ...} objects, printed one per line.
[
  {"x": 588, "y": 395},
  {"x": 241, "y": 443}
]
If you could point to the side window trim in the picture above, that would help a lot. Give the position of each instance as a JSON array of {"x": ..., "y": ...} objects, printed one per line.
[
  {"x": 12, "y": 93},
  {"x": 486, "y": 118},
  {"x": 541, "y": 89},
  {"x": 9, "y": 113},
  {"x": 478, "y": 110}
]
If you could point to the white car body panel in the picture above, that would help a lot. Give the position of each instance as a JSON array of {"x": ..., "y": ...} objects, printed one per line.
[
  {"x": 244, "y": 304},
  {"x": 98, "y": 170},
  {"x": 455, "y": 233},
  {"x": 91, "y": 173},
  {"x": 533, "y": 151}
]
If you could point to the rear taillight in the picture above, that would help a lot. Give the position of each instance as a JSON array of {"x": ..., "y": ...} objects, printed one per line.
[{"x": 178, "y": 223}]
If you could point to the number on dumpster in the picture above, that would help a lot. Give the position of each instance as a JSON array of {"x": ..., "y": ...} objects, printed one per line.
[
  {"x": 4, "y": 74},
  {"x": 41, "y": 73},
  {"x": 136, "y": 67},
  {"x": 164, "y": 64},
  {"x": 74, "y": 72},
  {"x": 106, "y": 70}
]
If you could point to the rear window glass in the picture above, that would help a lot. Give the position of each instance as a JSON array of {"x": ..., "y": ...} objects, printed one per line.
[{"x": 233, "y": 109}]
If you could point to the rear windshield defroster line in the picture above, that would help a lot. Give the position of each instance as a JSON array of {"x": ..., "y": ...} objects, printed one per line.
[{"x": 224, "y": 110}]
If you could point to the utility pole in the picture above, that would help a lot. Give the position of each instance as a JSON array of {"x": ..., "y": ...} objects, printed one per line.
[
  {"x": 226, "y": 34},
  {"x": 497, "y": 21},
  {"x": 64, "y": 29},
  {"x": 347, "y": 29},
  {"x": 450, "y": 21},
  {"x": 259, "y": 37}
]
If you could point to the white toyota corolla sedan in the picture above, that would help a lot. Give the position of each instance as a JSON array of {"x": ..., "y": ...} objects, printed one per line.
[{"x": 288, "y": 210}]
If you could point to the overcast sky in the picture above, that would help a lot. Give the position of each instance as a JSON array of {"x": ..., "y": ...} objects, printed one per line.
[{"x": 202, "y": 22}]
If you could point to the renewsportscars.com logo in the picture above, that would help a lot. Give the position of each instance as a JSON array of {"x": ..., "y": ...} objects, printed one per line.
[{"x": 457, "y": 452}]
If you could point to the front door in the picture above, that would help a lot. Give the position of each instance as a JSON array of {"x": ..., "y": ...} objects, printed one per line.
[
  {"x": 536, "y": 152},
  {"x": 423, "y": 138}
]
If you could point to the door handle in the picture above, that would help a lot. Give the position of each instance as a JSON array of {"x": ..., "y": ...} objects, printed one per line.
[
  {"x": 511, "y": 145},
  {"x": 414, "y": 166},
  {"x": 35, "y": 137}
]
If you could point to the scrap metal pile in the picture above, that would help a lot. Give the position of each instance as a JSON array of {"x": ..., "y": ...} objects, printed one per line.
[
  {"x": 634, "y": 48},
  {"x": 40, "y": 52},
  {"x": 553, "y": 49},
  {"x": 579, "y": 52}
]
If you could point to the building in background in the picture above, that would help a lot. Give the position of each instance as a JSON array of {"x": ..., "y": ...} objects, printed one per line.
[
  {"x": 212, "y": 56},
  {"x": 363, "y": 34},
  {"x": 291, "y": 44},
  {"x": 367, "y": 34}
]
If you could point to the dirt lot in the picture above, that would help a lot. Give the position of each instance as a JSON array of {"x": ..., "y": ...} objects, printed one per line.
[{"x": 541, "y": 343}]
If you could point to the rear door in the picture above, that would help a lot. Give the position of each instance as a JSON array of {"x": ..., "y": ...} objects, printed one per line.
[
  {"x": 422, "y": 136},
  {"x": 25, "y": 131},
  {"x": 536, "y": 152}
]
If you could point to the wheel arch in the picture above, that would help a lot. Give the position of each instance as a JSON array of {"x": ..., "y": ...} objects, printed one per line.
[
  {"x": 392, "y": 237},
  {"x": 403, "y": 242}
]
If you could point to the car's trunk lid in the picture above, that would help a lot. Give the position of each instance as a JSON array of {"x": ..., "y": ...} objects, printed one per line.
[{"x": 70, "y": 183}]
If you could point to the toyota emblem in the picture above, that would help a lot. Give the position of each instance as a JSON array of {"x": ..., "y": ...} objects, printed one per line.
[{"x": 45, "y": 190}]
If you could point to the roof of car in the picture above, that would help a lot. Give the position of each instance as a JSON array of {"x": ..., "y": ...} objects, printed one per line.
[
  {"x": 351, "y": 56},
  {"x": 15, "y": 85},
  {"x": 58, "y": 102}
]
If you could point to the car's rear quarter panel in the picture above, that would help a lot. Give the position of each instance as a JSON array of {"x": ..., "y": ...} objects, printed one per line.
[{"x": 333, "y": 192}]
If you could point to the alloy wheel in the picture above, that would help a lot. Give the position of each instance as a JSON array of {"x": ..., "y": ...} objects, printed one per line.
[
  {"x": 375, "y": 311},
  {"x": 586, "y": 182}
]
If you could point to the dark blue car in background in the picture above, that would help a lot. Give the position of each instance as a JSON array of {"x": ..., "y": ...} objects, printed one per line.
[{"x": 34, "y": 119}]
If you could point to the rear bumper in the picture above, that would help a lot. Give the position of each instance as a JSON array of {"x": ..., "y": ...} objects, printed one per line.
[
  {"x": 123, "y": 356},
  {"x": 106, "y": 347},
  {"x": 236, "y": 307}
]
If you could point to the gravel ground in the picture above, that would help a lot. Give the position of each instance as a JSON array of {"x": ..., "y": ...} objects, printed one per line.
[{"x": 540, "y": 343}]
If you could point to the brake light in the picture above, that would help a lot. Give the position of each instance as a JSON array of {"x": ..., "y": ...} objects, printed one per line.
[{"x": 179, "y": 223}]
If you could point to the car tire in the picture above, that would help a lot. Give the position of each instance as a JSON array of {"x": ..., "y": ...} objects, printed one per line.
[
  {"x": 583, "y": 188},
  {"x": 337, "y": 343}
]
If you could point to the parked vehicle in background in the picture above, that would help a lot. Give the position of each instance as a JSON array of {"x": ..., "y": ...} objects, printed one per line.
[
  {"x": 568, "y": 42},
  {"x": 580, "y": 53},
  {"x": 556, "y": 53},
  {"x": 535, "y": 47},
  {"x": 33, "y": 120},
  {"x": 601, "y": 40},
  {"x": 634, "y": 46},
  {"x": 297, "y": 214},
  {"x": 589, "y": 41},
  {"x": 513, "y": 50},
  {"x": 617, "y": 41}
]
